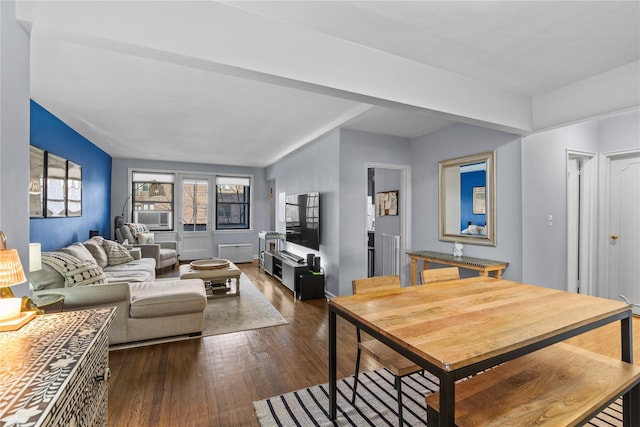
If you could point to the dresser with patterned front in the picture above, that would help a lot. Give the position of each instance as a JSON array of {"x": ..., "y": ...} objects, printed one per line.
[{"x": 54, "y": 370}]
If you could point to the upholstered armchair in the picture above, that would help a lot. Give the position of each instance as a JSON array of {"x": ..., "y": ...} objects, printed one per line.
[{"x": 165, "y": 253}]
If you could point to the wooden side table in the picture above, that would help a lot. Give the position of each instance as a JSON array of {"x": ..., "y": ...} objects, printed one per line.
[{"x": 482, "y": 266}]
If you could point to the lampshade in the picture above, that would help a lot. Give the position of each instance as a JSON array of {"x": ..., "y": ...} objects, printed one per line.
[
  {"x": 35, "y": 257},
  {"x": 11, "y": 272},
  {"x": 156, "y": 190}
]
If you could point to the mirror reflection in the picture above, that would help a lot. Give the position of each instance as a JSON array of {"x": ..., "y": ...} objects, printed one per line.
[{"x": 467, "y": 201}]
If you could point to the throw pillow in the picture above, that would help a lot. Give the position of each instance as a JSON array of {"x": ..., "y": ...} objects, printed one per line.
[
  {"x": 84, "y": 273},
  {"x": 137, "y": 228},
  {"x": 94, "y": 245},
  {"x": 116, "y": 253},
  {"x": 145, "y": 238},
  {"x": 74, "y": 271},
  {"x": 79, "y": 251}
]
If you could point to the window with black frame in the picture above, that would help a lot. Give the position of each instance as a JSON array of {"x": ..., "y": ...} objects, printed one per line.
[
  {"x": 152, "y": 200},
  {"x": 233, "y": 198}
]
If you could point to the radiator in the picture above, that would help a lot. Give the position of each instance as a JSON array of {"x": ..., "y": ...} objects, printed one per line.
[
  {"x": 390, "y": 255},
  {"x": 242, "y": 252}
]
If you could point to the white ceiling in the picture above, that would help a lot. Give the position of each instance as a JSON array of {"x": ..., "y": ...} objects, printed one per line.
[{"x": 245, "y": 83}]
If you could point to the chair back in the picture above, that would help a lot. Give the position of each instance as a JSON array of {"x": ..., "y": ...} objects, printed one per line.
[
  {"x": 374, "y": 284},
  {"x": 432, "y": 275}
]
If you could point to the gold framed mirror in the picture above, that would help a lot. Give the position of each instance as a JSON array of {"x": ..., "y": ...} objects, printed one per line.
[{"x": 467, "y": 199}]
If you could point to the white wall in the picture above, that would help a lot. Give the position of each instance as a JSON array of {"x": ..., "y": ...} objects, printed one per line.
[
  {"x": 357, "y": 151},
  {"x": 14, "y": 133},
  {"x": 462, "y": 140},
  {"x": 544, "y": 248}
]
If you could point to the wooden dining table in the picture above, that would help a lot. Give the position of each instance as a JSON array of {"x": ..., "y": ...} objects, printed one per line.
[{"x": 458, "y": 328}]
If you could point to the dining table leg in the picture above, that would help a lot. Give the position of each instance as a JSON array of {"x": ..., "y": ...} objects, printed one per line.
[
  {"x": 332, "y": 365},
  {"x": 631, "y": 400},
  {"x": 446, "y": 414}
]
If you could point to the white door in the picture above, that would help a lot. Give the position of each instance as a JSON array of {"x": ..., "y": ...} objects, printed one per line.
[
  {"x": 624, "y": 229},
  {"x": 195, "y": 235}
]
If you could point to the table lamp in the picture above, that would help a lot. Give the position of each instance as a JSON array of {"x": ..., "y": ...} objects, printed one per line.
[{"x": 11, "y": 273}]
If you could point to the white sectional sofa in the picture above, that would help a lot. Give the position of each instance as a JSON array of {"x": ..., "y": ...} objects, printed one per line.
[{"x": 146, "y": 309}]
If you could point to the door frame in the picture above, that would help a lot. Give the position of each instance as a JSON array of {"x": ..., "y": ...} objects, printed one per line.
[
  {"x": 605, "y": 265},
  {"x": 404, "y": 207},
  {"x": 582, "y": 257}
]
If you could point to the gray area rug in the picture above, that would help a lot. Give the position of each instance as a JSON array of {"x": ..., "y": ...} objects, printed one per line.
[
  {"x": 375, "y": 404},
  {"x": 251, "y": 310}
]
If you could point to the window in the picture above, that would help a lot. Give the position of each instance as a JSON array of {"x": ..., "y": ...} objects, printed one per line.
[
  {"x": 152, "y": 200},
  {"x": 195, "y": 204},
  {"x": 233, "y": 203}
]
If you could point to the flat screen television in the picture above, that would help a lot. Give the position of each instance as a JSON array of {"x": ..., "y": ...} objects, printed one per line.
[{"x": 302, "y": 215}]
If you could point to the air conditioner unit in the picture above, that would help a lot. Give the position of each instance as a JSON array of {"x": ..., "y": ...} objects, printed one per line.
[{"x": 154, "y": 220}]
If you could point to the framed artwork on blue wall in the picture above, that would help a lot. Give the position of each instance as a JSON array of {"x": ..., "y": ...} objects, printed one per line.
[
  {"x": 36, "y": 182},
  {"x": 479, "y": 205},
  {"x": 56, "y": 200},
  {"x": 55, "y": 185},
  {"x": 74, "y": 189}
]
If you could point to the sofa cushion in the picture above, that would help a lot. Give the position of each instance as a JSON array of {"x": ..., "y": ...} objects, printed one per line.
[
  {"x": 167, "y": 298},
  {"x": 116, "y": 253},
  {"x": 94, "y": 245},
  {"x": 126, "y": 235},
  {"x": 145, "y": 238},
  {"x": 139, "y": 270}
]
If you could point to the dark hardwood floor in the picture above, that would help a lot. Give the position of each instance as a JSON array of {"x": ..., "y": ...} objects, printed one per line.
[{"x": 212, "y": 381}]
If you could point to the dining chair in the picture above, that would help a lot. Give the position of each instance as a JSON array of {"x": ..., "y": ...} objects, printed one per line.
[
  {"x": 397, "y": 364},
  {"x": 432, "y": 275}
]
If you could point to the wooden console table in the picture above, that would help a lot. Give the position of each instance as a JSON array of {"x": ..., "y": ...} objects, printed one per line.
[{"x": 483, "y": 266}]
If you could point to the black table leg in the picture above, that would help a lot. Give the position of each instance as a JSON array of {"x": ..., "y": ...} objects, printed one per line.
[
  {"x": 332, "y": 365},
  {"x": 631, "y": 400},
  {"x": 447, "y": 400}
]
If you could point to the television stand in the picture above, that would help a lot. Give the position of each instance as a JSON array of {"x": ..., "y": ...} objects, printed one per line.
[
  {"x": 284, "y": 268},
  {"x": 292, "y": 257}
]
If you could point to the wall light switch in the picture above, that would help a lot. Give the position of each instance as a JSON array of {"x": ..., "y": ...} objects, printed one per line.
[{"x": 550, "y": 220}]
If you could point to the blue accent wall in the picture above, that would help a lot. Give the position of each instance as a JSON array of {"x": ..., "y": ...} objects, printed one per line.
[
  {"x": 468, "y": 180},
  {"x": 51, "y": 134}
]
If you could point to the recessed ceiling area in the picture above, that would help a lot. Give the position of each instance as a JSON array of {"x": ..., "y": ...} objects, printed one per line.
[{"x": 246, "y": 83}]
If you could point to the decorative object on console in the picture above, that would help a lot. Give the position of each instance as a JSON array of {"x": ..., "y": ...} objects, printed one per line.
[
  {"x": 11, "y": 273},
  {"x": 457, "y": 249}
]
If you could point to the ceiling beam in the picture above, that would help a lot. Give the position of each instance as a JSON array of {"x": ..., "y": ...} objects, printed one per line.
[{"x": 228, "y": 40}]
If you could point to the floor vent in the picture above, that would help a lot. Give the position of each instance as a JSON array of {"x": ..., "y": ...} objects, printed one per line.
[{"x": 236, "y": 253}]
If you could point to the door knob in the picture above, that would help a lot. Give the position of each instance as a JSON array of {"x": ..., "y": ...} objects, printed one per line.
[{"x": 614, "y": 237}]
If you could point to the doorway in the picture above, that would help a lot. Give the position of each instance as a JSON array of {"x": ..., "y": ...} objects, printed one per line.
[
  {"x": 194, "y": 231},
  {"x": 394, "y": 225},
  {"x": 581, "y": 221}
]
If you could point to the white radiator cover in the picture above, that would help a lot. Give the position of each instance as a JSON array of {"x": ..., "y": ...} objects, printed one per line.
[
  {"x": 236, "y": 253},
  {"x": 390, "y": 255}
]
